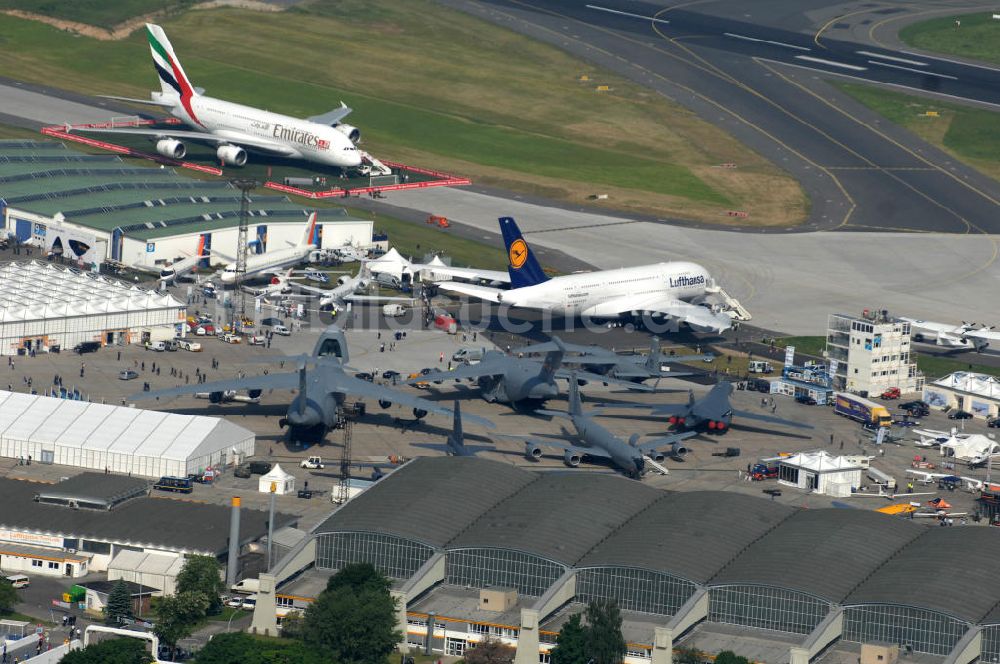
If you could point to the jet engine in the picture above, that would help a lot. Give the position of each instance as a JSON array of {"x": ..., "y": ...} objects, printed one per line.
[
  {"x": 571, "y": 458},
  {"x": 254, "y": 394},
  {"x": 231, "y": 155},
  {"x": 532, "y": 451},
  {"x": 385, "y": 404},
  {"x": 678, "y": 451},
  {"x": 215, "y": 397},
  {"x": 657, "y": 456},
  {"x": 419, "y": 413},
  {"x": 171, "y": 147},
  {"x": 342, "y": 280},
  {"x": 349, "y": 131}
]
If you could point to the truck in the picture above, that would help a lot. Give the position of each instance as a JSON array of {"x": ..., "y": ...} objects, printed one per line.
[
  {"x": 313, "y": 462},
  {"x": 760, "y": 366},
  {"x": 393, "y": 310},
  {"x": 861, "y": 410}
]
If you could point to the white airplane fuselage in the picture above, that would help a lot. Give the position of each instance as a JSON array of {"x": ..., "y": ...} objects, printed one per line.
[
  {"x": 311, "y": 141},
  {"x": 269, "y": 262},
  {"x": 585, "y": 294}
]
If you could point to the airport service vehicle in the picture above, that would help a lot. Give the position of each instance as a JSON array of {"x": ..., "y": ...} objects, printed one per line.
[
  {"x": 468, "y": 355},
  {"x": 676, "y": 292},
  {"x": 313, "y": 462},
  {"x": 764, "y": 471},
  {"x": 282, "y": 331},
  {"x": 760, "y": 366},
  {"x": 87, "y": 347},
  {"x": 157, "y": 346},
  {"x": 19, "y": 580},
  {"x": 891, "y": 393},
  {"x": 259, "y": 467},
  {"x": 235, "y": 128},
  {"x": 174, "y": 484},
  {"x": 862, "y": 410},
  {"x": 393, "y": 310},
  {"x": 171, "y": 345},
  {"x": 391, "y": 375},
  {"x": 192, "y": 346},
  {"x": 256, "y": 340},
  {"x": 916, "y": 408},
  {"x": 128, "y": 374}
]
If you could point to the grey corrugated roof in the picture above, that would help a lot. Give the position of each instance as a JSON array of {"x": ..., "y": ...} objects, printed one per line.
[
  {"x": 953, "y": 570},
  {"x": 559, "y": 516},
  {"x": 825, "y": 552},
  {"x": 162, "y": 522},
  {"x": 691, "y": 534},
  {"x": 96, "y": 488},
  {"x": 430, "y": 499}
]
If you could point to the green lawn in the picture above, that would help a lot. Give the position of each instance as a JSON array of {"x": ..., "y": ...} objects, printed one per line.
[
  {"x": 438, "y": 88},
  {"x": 970, "y": 134},
  {"x": 94, "y": 12},
  {"x": 812, "y": 346},
  {"x": 978, "y": 37},
  {"x": 227, "y": 614}
]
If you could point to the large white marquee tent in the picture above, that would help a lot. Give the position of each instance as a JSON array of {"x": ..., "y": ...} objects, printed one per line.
[
  {"x": 147, "y": 443},
  {"x": 42, "y": 305}
]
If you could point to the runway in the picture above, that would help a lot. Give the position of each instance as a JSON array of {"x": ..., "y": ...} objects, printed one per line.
[{"x": 860, "y": 172}]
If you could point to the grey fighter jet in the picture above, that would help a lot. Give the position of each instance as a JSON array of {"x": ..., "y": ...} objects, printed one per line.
[
  {"x": 514, "y": 380},
  {"x": 318, "y": 406},
  {"x": 597, "y": 442}
]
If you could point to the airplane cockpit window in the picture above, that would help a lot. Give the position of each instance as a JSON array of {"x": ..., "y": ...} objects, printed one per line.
[{"x": 330, "y": 347}]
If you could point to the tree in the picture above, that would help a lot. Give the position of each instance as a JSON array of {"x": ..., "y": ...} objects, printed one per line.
[
  {"x": 292, "y": 625},
  {"x": 203, "y": 574},
  {"x": 605, "y": 643},
  {"x": 490, "y": 651},
  {"x": 111, "y": 651},
  {"x": 353, "y": 621},
  {"x": 119, "y": 603},
  {"x": 8, "y": 595},
  {"x": 571, "y": 643},
  {"x": 241, "y": 648},
  {"x": 729, "y": 657},
  {"x": 688, "y": 656},
  {"x": 176, "y": 615}
]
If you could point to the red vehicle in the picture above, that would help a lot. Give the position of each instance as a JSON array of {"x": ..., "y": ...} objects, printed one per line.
[
  {"x": 764, "y": 471},
  {"x": 891, "y": 393},
  {"x": 443, "y": 321}
]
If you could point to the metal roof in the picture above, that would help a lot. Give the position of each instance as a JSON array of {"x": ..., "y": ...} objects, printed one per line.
[
  {"x": 430, "y": 499},
  {"x": 559, "y": 516},
  {"x": 163, "y": 523},
  {"x": 823, "y": 552},
  {"x": 952, "y": 570},
  {"x": 94, "y": 489},
  {"x": 691, "y": 534}
]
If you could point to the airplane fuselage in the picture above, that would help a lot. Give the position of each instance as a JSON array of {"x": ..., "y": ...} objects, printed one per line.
[
  {"x": 310, "y": 141},
  {"x": 594, "y": 293},
  {"x": 623, "y": 455},
  {"x": 520, "y": 382},
  {"x": 272, "y": 260}
]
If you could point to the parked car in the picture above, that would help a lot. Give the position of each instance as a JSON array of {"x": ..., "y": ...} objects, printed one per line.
[
  {"x": 192, "y": 346},
  {"x": 993, "y": 422},
  {"x": 128, "y": 374},
  {"x": 916, "y": 408},
  {"x": 87, "y": 347},
  {"x": 242, "y": 470},
  {"x": 256, "y": 340},
  {"x": 391, "y": 375},
  {"x": 171, "y": 345},
  {"x": 232, "y": 338},
  {"x": 805, "y": 399},
  {"x": 891, "y": 393},
  {"x": 19, "y": 580},
  {"x": 282, "y": 330},
  {"x": 364, "y": 375},
  {"x": 960, "y": 415},
  {"x": 260, "y": 467},
  {"x": 313, "y": 462},
  {"x": 271, "y": 322}
]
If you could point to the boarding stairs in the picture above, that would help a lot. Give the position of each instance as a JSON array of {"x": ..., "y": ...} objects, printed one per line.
[{"x": 375, "y": 167}]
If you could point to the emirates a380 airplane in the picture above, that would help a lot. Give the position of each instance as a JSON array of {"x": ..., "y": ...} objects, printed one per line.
[{"x": 235, "y": 128}]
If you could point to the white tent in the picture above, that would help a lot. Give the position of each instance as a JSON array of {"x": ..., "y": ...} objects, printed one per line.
[
  {"x": 96, "y": 436},
  {"x": 391, "y": 263},
  {"x": 282, "y": 481},
  {"x": 973, "y": 447}
]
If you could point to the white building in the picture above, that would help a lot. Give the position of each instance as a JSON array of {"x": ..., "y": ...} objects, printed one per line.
[
  {"x": 154, "y": 569},
  {"x": 820, "y": 472},
  {"x": 43, "y": 305},
  {"x": 145, "y": 443},
  {"x": 871, "y": 354},
  {"x": 975, "y": 393},
  {"x": 282, "y": 482}
]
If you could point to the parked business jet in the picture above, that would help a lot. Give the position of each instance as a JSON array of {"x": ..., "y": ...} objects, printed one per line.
[
  {"x": 965, "y": 336},
  {"x": 171, "y": 273},
  {"x": 273, "y": 262},
  {"x": 235, "y": 128},
  {"x": 676, "y": 291}
]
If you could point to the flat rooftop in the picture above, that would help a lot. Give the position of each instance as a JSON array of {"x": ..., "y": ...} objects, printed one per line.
[
  {"x": 462, "y": 603},
  {"x": 94, "y": 489}
]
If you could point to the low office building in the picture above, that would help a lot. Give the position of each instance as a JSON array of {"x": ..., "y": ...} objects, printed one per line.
[
  {"x": 146, "y": 443},
  {"x": 974, "y": 393},
  {"x": 871, "y": 353},
  {"x": 820, "y": 472},
  {"x": 82, "y": 524},
  {"x": 520, "y": 551},
  {"x": 98, "y": 592},
  {"x": 43, "y": 305}
]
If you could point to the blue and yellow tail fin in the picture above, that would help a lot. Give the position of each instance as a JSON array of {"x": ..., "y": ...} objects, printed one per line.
[{"x": 524, "y": 270}]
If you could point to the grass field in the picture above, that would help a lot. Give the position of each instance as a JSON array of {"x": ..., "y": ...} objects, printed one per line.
[
  {"x": 95, "y": 12},
  {"x": 441, "y": 89},
  {"x": 978, "y": 37},
  {"x": 970, "y": 134}
]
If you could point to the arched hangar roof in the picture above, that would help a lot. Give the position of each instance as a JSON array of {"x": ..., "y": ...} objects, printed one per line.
[
  {"x": 823, "y": 552},
  {"x": 691, "y": 535},
  {"x": 430, "y": 499},
  {"x": 559, "y": 516}
]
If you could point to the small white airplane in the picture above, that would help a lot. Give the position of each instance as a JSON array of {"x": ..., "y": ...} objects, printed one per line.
[
  {"x": 393, "y": 263},
  {"x": 174, "y": 271},
  {"x": 344, "y": 292},
  {"x": 235, "y": 128},
  {"x": 676, "y": 292},
  {"x": 317, "y": 276},
  {"x": 967, "y": 335},
  {"x": 277, "y": 260},
  {"x": 279, "y": 285}
]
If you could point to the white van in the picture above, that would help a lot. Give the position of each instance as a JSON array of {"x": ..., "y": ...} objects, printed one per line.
[
  {"x": 157, "y": 346},
  {"x": 394, "y": 310},
  {"x": 19, "y": 580},
  {"x": 468, "y": 355}
]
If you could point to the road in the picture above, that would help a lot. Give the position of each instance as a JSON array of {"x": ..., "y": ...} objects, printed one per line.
[{"x": 860, "y": 172}]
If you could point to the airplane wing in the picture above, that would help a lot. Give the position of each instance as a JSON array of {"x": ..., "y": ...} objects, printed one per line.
[
  {"x": 332, "y": 117},
  {"x": 650, "y": 445},
  {"x": 466, "y": 371},
  {"x": 481, "y": 292},
  {"x": 244, "y": 140},
  {"x": 597, "y": 378},
  {"x": 281, "y": 381},
  {"x": 471, "y": 450},
  {"x": 185, "y": 265},
  {"x": 491, "y": 276},
  {"x": 350, "y": 385},
  {"x": 699, "y": 317},
  {"x": 750, "y": 415},
  {"x": 147, "y": 102},
  {"x": 563, "y": 445}
]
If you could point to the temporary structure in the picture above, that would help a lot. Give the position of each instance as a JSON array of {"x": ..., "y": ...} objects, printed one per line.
[{"x": 283, "y": 482}]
